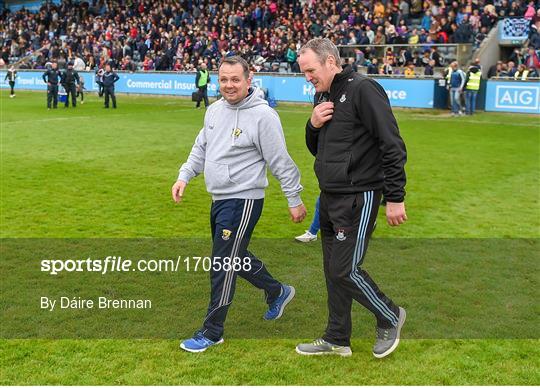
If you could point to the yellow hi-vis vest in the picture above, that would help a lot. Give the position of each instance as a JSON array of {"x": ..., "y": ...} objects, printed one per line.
[
  {"x": 474, "y": 81},
  {"x": 448, "y": 74},
  {"x": 203, "y": 79}
]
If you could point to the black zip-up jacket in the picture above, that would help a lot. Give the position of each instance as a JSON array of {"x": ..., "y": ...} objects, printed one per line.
[
  {"x": 70, "y": 77},
  {"x": 52, "y": 76},
  {"x": 360, "y": 148},
  {"x": 109, "y": 79}
]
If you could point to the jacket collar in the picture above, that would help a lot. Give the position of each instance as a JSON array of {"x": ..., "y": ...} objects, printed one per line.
[{"x": 339, "y": 78}]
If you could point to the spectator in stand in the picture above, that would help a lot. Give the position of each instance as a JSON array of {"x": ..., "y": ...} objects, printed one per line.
[
  {"x": 533, "y": 73},
  {"x": 504, "y": 71},
  {"x": 532, "y": 60},
  {"x": 428, "y": 70},
  {"x": 495, "y": 70},
  {"x": 426, "y": 20},
  {"x": 511, "y": 69},
  {"x": 479, "y": 37},
  {"x": 387, "y": 68},
  {"x": 404, "y": 8},
  {"x": 78, "y": 64},
  {"x": 373, "y": 67},
  {"x": 148, "y": 64},
  {"x": 409, "y": 71},
  {"x": 523, "y": 73},
  {"x": 413, "y": 37},
  {"x": 128, "y": 64},
  {"x": 464, "y": 32},
  {"x": 291, "y": 56}
]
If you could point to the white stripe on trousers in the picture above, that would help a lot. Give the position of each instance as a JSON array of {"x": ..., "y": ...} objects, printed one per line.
[
  {"x": 246, "y": 215},
  {"x": 358, "y": 251}
]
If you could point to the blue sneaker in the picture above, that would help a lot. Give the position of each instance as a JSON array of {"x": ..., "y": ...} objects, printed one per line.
[
  {"x": 276, "y": 308},
  {"x": 199, "y": 343}
]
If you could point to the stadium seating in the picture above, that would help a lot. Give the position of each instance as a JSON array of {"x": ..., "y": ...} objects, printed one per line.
[{"x": 168, "y": 35}]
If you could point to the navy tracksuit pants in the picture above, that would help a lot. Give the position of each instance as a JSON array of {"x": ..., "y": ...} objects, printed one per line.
[
  {"x": 347, "y": 222},
  {"x": 232, "y": 222}
]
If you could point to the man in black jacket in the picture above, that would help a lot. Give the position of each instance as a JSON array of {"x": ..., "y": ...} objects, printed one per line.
[
  {"x": 51, "y": 77},
  {"x": 70, "y": 81},
  {"x": 360, "y": 156},
  {"x": 108, "y": 80}
]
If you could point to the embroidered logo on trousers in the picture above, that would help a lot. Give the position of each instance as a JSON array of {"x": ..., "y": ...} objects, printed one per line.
[
  {"x": 341, "y": 235},
  {"x": 226, "y": 234}
]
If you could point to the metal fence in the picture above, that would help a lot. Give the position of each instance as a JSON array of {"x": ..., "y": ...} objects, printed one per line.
[{"x": 448, "y": 52}]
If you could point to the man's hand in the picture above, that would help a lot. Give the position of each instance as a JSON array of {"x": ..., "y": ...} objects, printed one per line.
[
  {"x": 297, "y": 213},
  {"x": 322, "y": 113},
  {"x": 395, "y": 213},
  {"x": 178, "y": 190},
  {"x": 48, "y": 84}
]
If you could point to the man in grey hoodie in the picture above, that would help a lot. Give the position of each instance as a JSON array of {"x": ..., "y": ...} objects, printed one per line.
[{"x": 241, "y": 136}]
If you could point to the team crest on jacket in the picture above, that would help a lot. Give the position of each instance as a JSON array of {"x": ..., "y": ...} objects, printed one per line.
[
  {"x": 237, "y": 132},
  {"x": 340, "y": 235},
  {"x": 226, "y": 234},
  {"x": 343, "y": 98}
]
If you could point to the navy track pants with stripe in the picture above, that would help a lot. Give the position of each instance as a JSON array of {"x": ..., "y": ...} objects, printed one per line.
[
  {"x": 232, "y": 222},
  {"x": 347, "y": 222}
]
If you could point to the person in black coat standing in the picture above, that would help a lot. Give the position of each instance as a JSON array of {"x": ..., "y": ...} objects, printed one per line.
[
  {"x": 52, "y": 77},
  {"x": 70, "y": 81},
  {"x": 108, "y": 80}
]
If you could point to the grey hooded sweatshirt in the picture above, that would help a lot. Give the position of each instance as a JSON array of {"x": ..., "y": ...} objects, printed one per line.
[{"x": 234, "y": 147}]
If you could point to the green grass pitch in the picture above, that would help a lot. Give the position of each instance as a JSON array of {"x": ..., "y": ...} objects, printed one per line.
[{"x": 95, "y": 173}]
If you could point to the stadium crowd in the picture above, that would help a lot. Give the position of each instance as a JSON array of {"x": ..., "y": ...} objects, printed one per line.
[
  {"x": 522, "y": 64},
  {"x": 166, "y": 35}
]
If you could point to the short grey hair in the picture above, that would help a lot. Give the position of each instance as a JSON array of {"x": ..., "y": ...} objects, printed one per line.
[
  {"x": 236, "y": 59},
  {"x": 322, "y": 47}
]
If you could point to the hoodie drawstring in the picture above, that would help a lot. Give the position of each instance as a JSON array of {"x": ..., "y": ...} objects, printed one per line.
[{"x": 235, "y": 126}]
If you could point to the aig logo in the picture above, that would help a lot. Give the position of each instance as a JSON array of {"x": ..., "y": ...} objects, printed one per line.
[{"x": 518, "y": 97}]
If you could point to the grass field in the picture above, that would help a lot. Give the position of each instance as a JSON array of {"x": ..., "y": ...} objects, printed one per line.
[{"x": 95, "y": 173}]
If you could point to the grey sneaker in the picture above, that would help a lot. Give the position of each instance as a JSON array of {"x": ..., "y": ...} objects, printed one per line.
[
  {"x": 388, "y": 339},
  {"x": 320, "y": 346}
]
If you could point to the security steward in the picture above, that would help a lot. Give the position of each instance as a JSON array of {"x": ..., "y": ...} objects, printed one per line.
[
  {"x": 52, "y": 77},
  {"x": 202, "y": 79},
  {"x": 70, "y": 82},
  {"x": 360, "y": 156},
  {"x": 108, "y": 80}
]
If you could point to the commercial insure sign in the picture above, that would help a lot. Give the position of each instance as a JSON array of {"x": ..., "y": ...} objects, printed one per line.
[
  {"x": 151, "y": 83},
  {"x": 518, "y": 97}
]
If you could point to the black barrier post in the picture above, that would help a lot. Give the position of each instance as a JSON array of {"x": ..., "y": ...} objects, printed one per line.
[
  {"x": 440, "y": 94},
  {"x": 481, "y": 98}
]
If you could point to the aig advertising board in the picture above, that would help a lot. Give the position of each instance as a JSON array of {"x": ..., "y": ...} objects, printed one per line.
[{"x": 517, "y": 97}]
